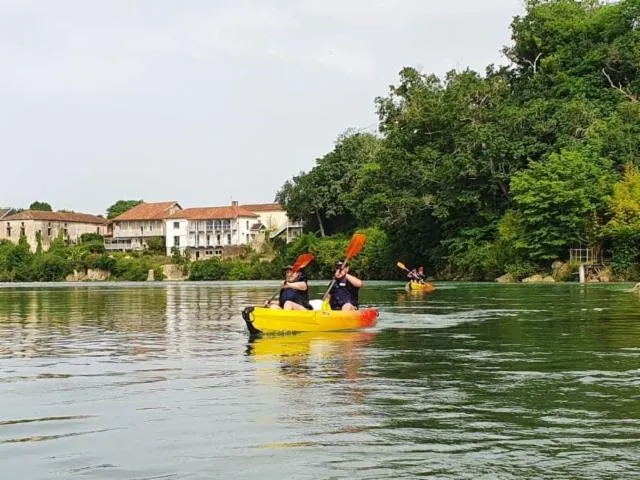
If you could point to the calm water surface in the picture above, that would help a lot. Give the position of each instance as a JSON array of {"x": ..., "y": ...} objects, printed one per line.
[{"x": 474, "y": 381}]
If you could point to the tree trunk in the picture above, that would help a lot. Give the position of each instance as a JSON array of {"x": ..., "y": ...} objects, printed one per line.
[{"x": 320, "y": 223}]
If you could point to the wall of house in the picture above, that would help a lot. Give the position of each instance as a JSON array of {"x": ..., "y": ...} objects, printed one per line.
[
  {"x": 244, "y": 230},
  {"x": 272, "y": 219},
  {"x": 193, "y": 234},
  {"x": 173, "y": 229},
  {"x": 49, "y": 230}
]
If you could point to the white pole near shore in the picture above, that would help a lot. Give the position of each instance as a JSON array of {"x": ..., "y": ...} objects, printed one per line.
[{"x": 582, "y": 275}]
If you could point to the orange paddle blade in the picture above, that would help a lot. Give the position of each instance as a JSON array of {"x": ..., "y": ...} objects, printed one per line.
[
  {"x": 302, "y": 261},
  {"x": 356, "y": 244},
  {"x": 401, "y": 266}
]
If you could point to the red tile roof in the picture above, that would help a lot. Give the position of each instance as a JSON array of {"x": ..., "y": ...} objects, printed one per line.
[
  {"x": 56, "y": 217},
  {"x": 213, "y": 213},
  {"x": 147, "y": 211},
  {"x": 263, "y": 207}
]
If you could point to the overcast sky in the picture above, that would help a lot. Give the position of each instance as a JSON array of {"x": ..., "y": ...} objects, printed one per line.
[{"x": 205, "y": 101}]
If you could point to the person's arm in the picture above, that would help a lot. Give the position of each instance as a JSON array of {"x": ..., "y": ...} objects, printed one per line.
[
  {"x": 356, "y": 282},
  {"x": 301, "y": 286}
]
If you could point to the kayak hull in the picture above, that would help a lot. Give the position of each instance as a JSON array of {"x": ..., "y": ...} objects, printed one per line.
[
  {"x": 268, "y": 320},
  {"x": 420, "y": 287}
]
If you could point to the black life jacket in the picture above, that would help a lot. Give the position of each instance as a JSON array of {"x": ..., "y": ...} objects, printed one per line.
[{"x": 343, "y": 292}]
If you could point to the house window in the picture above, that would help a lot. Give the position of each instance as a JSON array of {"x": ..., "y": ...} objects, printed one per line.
[
  {"x": 9, "y": 230},
  {"x": 218, "y": 239},
  {"x": 142, "y": 229},
  {"x": 229, "y": 239},
  {"x": 48, "y": 231},
  {"x": 22, "y": 229},
  {"x": 247, "y": 224},
  {"x": 176, "y": 241},
  {"x": 176, "y": 225},
  {"x": 217, "y": 252},
  {"x": 151, "y": 226},
  {"x": 98, "y": 230}
]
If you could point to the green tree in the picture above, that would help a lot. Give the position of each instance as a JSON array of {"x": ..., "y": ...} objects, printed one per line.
[
  {"x": 562, "y": 201},
  {"x": 324, "y": 197},
  {"x": 121, "y": 206},
  {"x": 42, "y": 206},
  {"x": 157, "y": 245}
]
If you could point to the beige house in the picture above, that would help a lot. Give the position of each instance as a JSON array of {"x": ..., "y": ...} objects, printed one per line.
[
  {"x": 273, "y": 218},
  {"x": 49, "y": 225},
  {"x": 132, "y": 229},
  {"x": 210, "y": 231}
]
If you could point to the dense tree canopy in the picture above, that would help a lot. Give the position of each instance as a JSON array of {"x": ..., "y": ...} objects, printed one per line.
[
  {"x": 474, "y": 172},
  {"x": 42, "y": 206}
]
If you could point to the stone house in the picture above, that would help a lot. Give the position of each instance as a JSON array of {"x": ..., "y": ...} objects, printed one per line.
[{"x": 49, "y": 225}]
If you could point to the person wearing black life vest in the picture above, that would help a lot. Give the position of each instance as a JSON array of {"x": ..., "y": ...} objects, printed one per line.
[
  {"x": 417, "y": 274},
  {"x": 344, "y": 292},
  {"x": 294, "y": 294},
  {"x": 420, "y": 273}
]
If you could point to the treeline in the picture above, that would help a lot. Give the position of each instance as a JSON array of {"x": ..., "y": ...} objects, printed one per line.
[
  {"x": 478, "y": 174},
  {"x": 19, "y": 264}
]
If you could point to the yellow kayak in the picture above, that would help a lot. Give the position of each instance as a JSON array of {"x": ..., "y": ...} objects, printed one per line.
[
  {"x": 420, "y": 287},
  {"x": 269, "y": 320}
]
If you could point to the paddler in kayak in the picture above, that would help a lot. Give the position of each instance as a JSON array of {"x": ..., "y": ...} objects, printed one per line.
[
  {"x": 294, "y": 294},
  {"x": 417, "y": 275},
  {"x": 344, "y": 292}
]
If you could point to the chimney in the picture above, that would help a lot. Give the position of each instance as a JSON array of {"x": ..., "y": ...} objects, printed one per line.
[{"x": 234, "y": 203}]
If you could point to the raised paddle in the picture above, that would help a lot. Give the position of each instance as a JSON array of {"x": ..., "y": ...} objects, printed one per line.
[
  {"x": 402, "y": 267},
  {"x": 355, "y": 245},
  {"x": 302, "y": 261}
]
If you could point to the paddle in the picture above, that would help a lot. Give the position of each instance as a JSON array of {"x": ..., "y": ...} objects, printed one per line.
[
  {"x": 302, "y": 261},
  {"x": 402, "y": 267},
  {"x": 355, "y": 245}
]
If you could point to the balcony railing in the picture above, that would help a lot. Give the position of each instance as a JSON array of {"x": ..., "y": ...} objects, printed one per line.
[{"x": 122, "y": 245}]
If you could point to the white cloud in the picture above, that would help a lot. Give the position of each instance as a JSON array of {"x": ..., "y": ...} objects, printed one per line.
[{"x": 349, "y": 63}]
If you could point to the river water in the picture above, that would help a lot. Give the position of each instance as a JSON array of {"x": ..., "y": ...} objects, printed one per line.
[{"x": 474, "y": 381}]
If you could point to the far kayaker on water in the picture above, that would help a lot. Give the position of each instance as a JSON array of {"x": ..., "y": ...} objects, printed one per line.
[
  {"x": 294, "y": 294},
  {"x": 344, "y": 292},
  {"x": 417, "y": 275}
]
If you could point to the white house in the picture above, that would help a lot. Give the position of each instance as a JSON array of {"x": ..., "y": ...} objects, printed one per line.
[
  {"x": 275, "y": 221},
  {"x": 210, "y": 231},
  {"x": 132, "y": 229}
]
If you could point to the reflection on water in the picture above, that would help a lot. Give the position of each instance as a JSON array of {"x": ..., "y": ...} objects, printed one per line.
[{"x": 473, "y": 381}]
